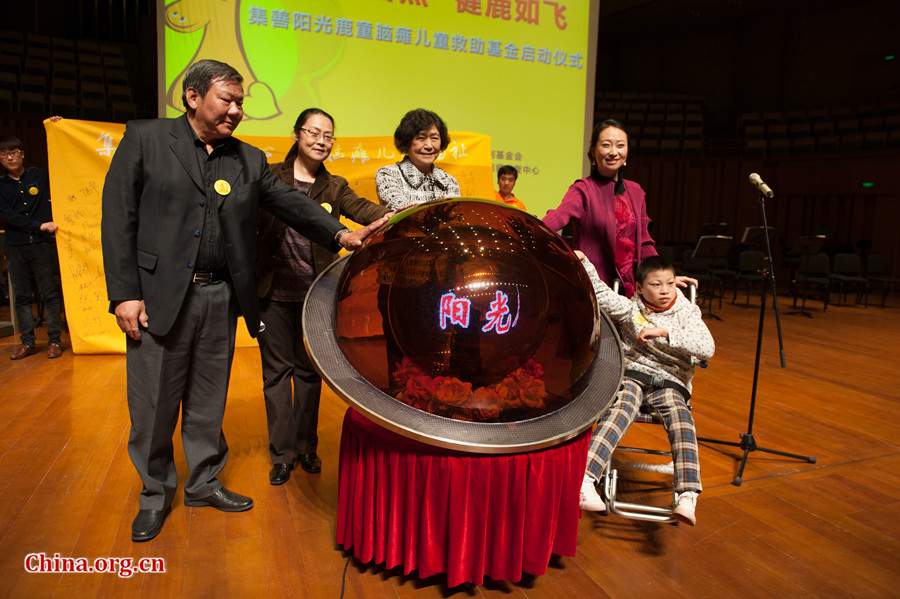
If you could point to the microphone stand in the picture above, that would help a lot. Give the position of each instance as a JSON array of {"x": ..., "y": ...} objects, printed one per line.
[{"x": 748, "y": 442}]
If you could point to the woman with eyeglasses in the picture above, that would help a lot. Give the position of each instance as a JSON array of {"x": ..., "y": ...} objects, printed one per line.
[
  {"x": 287, "y": 264},
  {"x": 608, "y": 212},
  {"x": 421, "y": 136}
]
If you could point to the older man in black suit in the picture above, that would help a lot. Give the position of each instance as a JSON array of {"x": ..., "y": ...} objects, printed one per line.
[{"x": 180, "y": 207}]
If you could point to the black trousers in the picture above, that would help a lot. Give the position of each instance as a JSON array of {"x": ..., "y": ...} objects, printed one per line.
[
  {"x": 184, "y": 371},
  {"x": 290, "y": 383},
  {"x": 35, "y": 261}
]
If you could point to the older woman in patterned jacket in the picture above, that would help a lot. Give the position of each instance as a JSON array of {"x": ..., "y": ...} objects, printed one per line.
[{"x": 421, "y": 136}]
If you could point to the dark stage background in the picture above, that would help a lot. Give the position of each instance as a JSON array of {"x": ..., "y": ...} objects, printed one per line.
[{"x": 805, "y": 93}]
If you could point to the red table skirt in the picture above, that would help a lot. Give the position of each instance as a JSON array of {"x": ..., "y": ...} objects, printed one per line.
[{"x": 404, "y": 503}]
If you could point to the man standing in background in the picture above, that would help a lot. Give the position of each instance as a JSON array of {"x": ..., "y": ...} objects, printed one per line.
[
  {"x": 30, "y": 246},
  {"x": 506, "y": 180}
]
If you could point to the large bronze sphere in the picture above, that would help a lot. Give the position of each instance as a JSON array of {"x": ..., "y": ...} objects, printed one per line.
[{"x": 465, "y": 311}]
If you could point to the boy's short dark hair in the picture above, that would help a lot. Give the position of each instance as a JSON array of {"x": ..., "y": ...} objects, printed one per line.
[
  {"x": 413, "y": 123},
  {"x": 507, "y": 169},
  {"x": 11, "y": 142},
  {"x": 651, "y": 264}
]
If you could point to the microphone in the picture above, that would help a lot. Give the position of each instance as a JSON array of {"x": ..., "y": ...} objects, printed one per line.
[{"x": 759, "y": 184}]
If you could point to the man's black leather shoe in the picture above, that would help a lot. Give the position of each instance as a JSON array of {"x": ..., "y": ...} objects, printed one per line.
[
  {"x": 223, "y": 500},
  {"x": 310, "y": 462},
  {"x": 280, "y": 474},
  {"x": 147, "y": 524}
]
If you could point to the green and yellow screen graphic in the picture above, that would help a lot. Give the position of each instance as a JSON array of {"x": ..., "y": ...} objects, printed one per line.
[{"x": 513, "y": 70}]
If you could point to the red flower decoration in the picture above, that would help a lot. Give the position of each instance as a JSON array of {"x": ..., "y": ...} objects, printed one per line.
[
  {"x": 533, "y": 367},
  {"x": 407, "y": 369},
  {"x": 452, "y": 391},
  {"x": 523, "y": 388}
]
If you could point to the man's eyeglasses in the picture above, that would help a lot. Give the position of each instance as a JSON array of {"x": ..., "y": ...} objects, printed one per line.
[
  {"x": 10, "y": 153},
  {"x": 316, "y": 134}
]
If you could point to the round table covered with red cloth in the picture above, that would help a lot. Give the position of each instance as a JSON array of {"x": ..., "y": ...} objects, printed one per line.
[{"x": 405, "y": 503}]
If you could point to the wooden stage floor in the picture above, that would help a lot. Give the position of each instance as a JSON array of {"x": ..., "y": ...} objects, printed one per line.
[{"x": 829, "y": 529}]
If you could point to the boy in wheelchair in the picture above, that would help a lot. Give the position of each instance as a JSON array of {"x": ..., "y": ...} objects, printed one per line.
[{"x": 663, "y": 336}]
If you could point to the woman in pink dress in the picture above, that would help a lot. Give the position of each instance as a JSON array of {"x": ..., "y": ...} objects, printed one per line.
[{"x": 608, "y": 213}]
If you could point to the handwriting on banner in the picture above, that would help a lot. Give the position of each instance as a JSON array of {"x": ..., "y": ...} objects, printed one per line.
[
  {"x": 81, "y": 218},
  {"x": 363, "y": 151}
]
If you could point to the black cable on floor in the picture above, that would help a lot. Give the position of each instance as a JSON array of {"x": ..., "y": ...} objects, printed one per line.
[{"x": 344, "y": 577}]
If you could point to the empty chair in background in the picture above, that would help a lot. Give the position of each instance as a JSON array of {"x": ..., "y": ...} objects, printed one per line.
[
  {"x": 847, "y": 273},
  {"x": 812, "y": 276},
  {"x": 880, "y": 275},
  {"x": 751, "y": 265}
]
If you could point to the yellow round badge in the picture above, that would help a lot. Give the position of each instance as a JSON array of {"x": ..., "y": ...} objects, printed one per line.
[
  {"x": 327, "y": 207},
  {"x": 33, "y": 190},
  {"x": 222, "y": 187}
]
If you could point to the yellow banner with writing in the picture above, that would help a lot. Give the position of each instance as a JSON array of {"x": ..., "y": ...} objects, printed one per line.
[{"x": 79, "y": 156}]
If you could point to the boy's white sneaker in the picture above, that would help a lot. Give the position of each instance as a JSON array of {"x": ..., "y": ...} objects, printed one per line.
[
  {"x": 685, "y": 507},
  {"x": 589, "y": 500}
]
